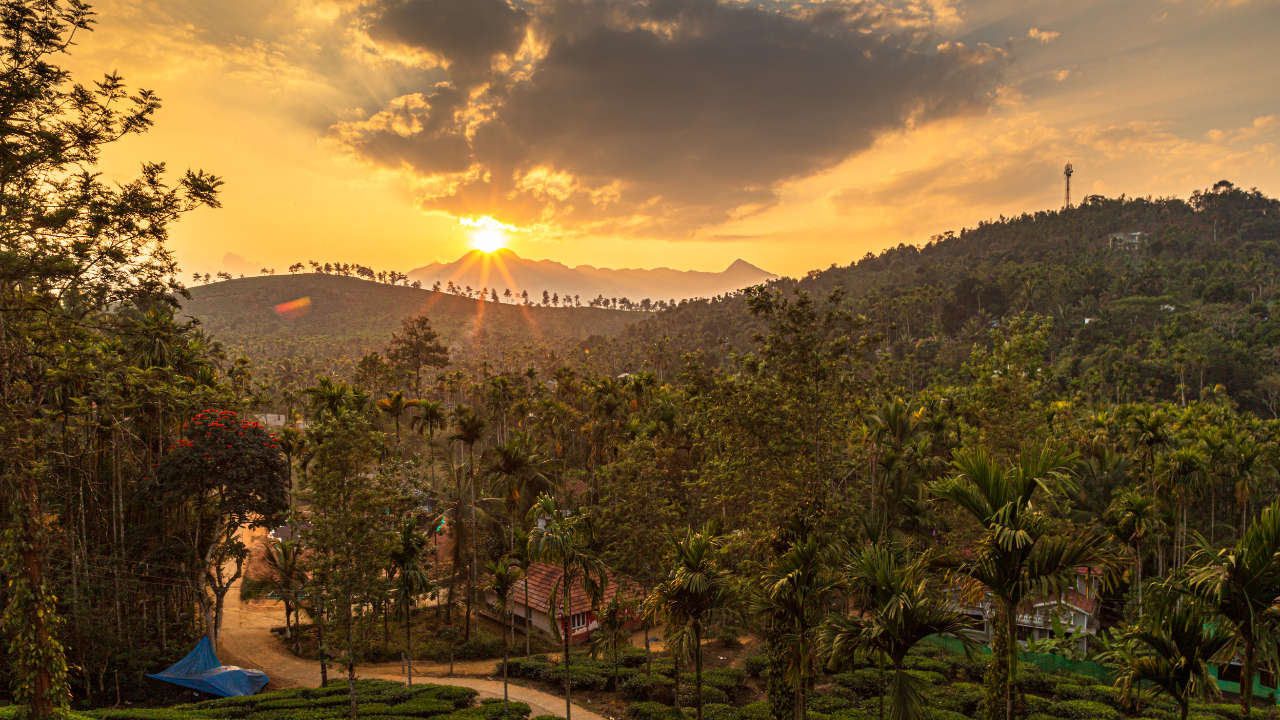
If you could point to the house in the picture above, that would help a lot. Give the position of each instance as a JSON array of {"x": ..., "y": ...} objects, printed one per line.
[
  {"x": 1077, "y": 610},
  {"x": 1127, "y": 241},
  {"x": 541, "y": 579}
]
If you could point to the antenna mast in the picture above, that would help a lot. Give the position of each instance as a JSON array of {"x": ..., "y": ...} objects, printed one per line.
[{"x": 1067, "y": 172}]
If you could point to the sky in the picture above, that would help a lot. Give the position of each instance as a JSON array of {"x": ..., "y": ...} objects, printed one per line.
[{"x": 676, "y": 133}]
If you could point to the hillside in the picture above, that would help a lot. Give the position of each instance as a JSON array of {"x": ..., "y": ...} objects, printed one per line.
[
  {"x": 347, "y": 315},
  {"x": 1187, "y": 303},
  {"x": 504, "y": 270}
]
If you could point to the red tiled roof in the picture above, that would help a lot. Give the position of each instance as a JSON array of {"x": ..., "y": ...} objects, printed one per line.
[{"x": 542, "y": 578}]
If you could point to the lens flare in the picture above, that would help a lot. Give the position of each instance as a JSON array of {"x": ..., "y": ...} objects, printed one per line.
[{"x": 488, "y": 240}]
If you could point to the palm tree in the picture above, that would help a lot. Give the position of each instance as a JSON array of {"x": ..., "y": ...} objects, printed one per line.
[
  {"x": 1252, "y": 465},
  {"x": 285, "y": 578},
  {"x": 900, "y": 610},
  {"x": 1146, "y": 432},
  {"x": 613, "y": 634},
  {"x": 1017, "y": 558},
  {"x": 1135, "y": 517},
  {"x": 1240, "y": 584},
  {"x": 396, "y": 405},
  {"x": 504, "y": 581},
  {"x": 430, "y": 418},
  {"x": 522, "y": 555},
  {"x": 329, "y": 398},
  {"x": 565, "y": 539},
  {"x": 793, "y": 593},
  {"x": 1179, "y": 474},
  {"x": 520, "y": 472},
  {"x": 1178, "y": 651},
  {"x": 469, "y": 431},
  {"x": 411, "y": 581},
  {"x": 696, "y": 590}
]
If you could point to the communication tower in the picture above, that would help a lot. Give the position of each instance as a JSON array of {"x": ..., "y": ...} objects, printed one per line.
[{"x": 1067, "y": 173}]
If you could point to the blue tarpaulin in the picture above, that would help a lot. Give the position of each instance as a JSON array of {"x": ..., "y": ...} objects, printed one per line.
[{"x": 201, "y": 670}]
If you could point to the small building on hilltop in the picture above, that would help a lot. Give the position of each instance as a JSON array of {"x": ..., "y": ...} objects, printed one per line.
[
  {"x": 1128, "y": 240},
  {"x": 1076, "y": 609}
]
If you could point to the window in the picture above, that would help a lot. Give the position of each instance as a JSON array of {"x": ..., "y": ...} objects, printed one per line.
[{"x": 578, "y": 621}]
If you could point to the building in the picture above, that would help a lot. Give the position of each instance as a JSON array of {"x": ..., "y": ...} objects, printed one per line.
[
  {"x": 1076, "y": 609},
  {"x": 1128, "y": 241},
  {"x": 541, "y": 580}
]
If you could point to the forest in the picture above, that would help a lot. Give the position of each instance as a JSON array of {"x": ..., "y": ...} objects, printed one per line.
[{"x": 930, "y": 445}]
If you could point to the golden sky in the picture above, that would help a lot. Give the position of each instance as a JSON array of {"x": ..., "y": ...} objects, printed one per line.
[{"x": 678, "y": 133}]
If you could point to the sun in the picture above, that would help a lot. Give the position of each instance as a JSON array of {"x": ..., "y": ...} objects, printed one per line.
[{"x": 488, "y": 240}]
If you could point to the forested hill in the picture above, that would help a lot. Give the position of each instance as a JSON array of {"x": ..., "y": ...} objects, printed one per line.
[
  {"x": 1189, "y": 301},
  {"x": 343, "y": 317}
]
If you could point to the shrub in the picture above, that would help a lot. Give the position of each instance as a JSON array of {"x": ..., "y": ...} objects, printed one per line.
[
  {"x": 755, "y": 665},
  {"x": 332, "y": 700},
  {"x": 939, "y": 714},
  {"x": 579, "y": 678},
  {"x": 546, "y": 717},
  {"x": 1085, "y": 710},
  {"x": 374, "y": 708},
  {"x": 710, "y": 695},
  {"x": 825, "y": 703},
  {"x": 278, "y": 703},
  {"x": 917, "y": 662},
  {"x": 729, "y": 680},
  {"x": 461, "y": 697},
  {"x": 652, "y": 711},
  {"x": 647, "y": 687},
  {"x": 716, "y": 711},
  {"x": 423, "y": 707},
  {"x": 956, "y": 697},
  {"x": 926, "y": 677},
  {"x": 863, "y": 683}
]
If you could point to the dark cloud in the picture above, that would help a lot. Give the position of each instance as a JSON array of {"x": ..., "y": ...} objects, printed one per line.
[
  {"x": 671, "y": 114},
  {"x": 468, "y": 34}
]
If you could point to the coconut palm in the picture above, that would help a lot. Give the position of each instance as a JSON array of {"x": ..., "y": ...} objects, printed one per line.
[
  {"x": 565, "y": 539},
  {"x": 395, "y": 405},
  {"x": 411, "y": 580},
  {"x": 1176, "y": 654},
  {"x": 1240, "y": 584},
  {"x": 502, "y": 583},
  {"x": 696, "y": 591},
  {"x": 1135, "y": 517},
  {"x": 285, "y": 579},
  {"x": 613, "y": 634},
  {"x": 900, "y": 609},
  {"x": 793, "y": 593},
  {"x": 1017, "y": 558}
]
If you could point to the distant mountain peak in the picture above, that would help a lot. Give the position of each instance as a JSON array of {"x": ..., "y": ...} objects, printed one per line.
[{"x": 584, "y": 281}]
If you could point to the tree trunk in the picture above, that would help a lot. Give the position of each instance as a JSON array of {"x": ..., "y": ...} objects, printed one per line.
[
  {"x": 1246, "y": 676},
  {"x": 351, "y": 656},
  {"x": 408, "y": 644},
  {"x": 1011, "y": 616},
  {"x": 697, "y": 668},
  {"x": 677, "y": 664},
  {"x": 568, "y": 622},
  {"x": 528, "y": 617},
  {"x": 504, "y": 676},
  {"x": 881, "y": 654},
  {"x": 38, "y": 651},
  {"x": 324, "y": 663}
]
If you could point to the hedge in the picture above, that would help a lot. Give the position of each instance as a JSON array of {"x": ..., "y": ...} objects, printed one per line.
[
  {"x": 1085, "y": 710},
  {"x": 653, "y": 711},
  {"x": 648, "y": 687}
]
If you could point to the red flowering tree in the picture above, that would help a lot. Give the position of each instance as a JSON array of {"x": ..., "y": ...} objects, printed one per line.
[{"x": 226, "y": 473}]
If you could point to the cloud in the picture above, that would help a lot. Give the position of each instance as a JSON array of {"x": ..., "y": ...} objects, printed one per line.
[
  {"x": 1043, "y": 36},
  {"x": 237, "y": 264},
  {"x": 656, "y": 118}
]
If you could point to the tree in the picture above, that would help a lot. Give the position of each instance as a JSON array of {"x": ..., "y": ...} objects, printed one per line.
[
  {"x": 613, "y": 634},
  {"x": 285, "y": 578},
  {"x": 899, "y": 610},
  {"x": 696, "y": 591},
  {"x": 395, "y": 405},
  {"x": 503, "y": 583},
  {"x": 1018, "y": 557},
  {"x": 225, "y": 473},
  {"x": 565, "y": 539},
  {"x": 1135, "y": 517},
  {"x": 794, "y": 593},
  {"x": 1240, "y": 584},
  {"x": 1179, "y": 474},
  {"x": 469, "y": 431},
  {"x": 411, "y": 581},
  {"x": 415, "y": 347},
  {"x": 1179, "y": 647}
]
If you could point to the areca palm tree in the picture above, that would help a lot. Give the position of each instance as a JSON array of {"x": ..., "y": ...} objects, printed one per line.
[
  {"x": 1179, "y": 474},
  {"x": 565, "y": 540},
  {"x": 697, "y": 589},
  {"x": 1177, "y": 651},
  {"x": 900, "y": 609},
  {"x": 503, "y": 583},
  {"x": 395, "y": 405},
  {"x": 522, "y": 555},
  {"x": 793, "y": 593},
  {"x": 1017, "y": 558},
  {"x": 469, "y": 430},
  {"x": 612, "y": 635},
  {"x": 411, "y": 580},
  {"x": 1240, "y": 584},
  {"x": 430, "y": 418},
  {"x": 520, "y": 473},
  {"x": 1135, "y": 517},
  {"x": 285, "y": 578}
]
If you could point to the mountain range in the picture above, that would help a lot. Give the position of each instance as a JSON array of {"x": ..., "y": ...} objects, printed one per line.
[{"x": 503, "y": 270}]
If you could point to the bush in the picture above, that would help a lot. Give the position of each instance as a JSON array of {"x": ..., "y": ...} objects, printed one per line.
[
  {"x": 863, "y": 683},
  {"x": 423, "y": 707},
  {"x": 916, "y": 662},
  {"x": 825, "y": 703},
  {"x": 461, "y": 697},
  {"x": 710, "y": 695},
  {"x": 579, "y": 678},
  {"x": 926, "y": 677},
  {"x": 653, "y": 711},
  {"x": 1085, "y": 710},
  {"x": 648, "y": 687},
  {"x": 754, "y": 711},
  {"x": 939, "y": 714},
  {"x": 717, "y": 711},
  {"x": 546, "y": 717},
  {"x": 278, "y": 703},
  {"x": 755, "y": 665},
  {"x": 729, "y": 680},
  {"x": 956, "y": 697}
]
